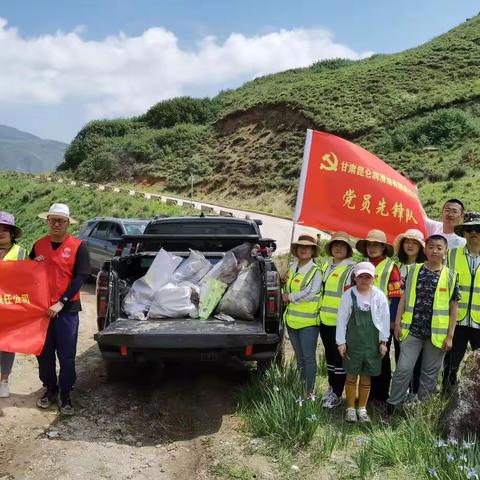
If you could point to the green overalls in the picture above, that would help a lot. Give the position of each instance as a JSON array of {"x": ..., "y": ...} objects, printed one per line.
[{"x": 363, "y": 355}]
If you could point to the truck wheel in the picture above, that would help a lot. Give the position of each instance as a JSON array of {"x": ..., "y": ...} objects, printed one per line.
[{"x": 115, "y": 370}]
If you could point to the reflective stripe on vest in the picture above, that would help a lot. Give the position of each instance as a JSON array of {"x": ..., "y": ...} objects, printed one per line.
[
  {"x": 60, "y": 264},
  {"x": 441, "y": 304},
  {"x": 15, "y": 253},
  {"x": 469, "y": 285},
  {"x": 383, "y": 271},
  {"x": 303, "y": 314},
  {"x": 333, "y": 288}
]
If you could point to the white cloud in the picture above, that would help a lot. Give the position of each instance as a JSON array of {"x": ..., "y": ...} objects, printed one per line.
[{"x": 123, "y": 75}]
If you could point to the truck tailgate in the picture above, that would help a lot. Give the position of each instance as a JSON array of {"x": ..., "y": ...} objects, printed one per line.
[{"x": 184, "y": 333}]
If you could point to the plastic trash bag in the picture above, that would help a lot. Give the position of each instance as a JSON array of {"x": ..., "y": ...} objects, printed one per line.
[
  {"x": 243, "y": 296},
  {"x": 192, "y": 269},
  {"x": 211, "y": 291},
  {"x": 140, "y": 296},
  {"x": 175, "y": 301},
  {"x": 243, "y": 254},
  {"x": 226, "y": 270}
]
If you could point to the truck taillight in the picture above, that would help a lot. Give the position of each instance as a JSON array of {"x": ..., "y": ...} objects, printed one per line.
[
  {"x": 273, "y": 305},
  {"x": 102, "y": 293}
]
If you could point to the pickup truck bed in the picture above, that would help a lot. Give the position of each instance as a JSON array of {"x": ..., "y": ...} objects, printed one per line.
[{"x": 184, "y": 333}]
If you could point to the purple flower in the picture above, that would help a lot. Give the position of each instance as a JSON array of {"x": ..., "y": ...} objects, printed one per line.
[
  {"x": 450, "y": 457},
  {"x": 432, "y": 472},
  {"x": 472, "y": 473}
]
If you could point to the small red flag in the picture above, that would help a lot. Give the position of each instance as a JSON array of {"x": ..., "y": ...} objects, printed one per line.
[
  {"x": 345, "y": 187},
  {"x": 24, "y": 299}
]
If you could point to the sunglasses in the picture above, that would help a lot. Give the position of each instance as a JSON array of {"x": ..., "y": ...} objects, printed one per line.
[{"x": 473, "y": 228}]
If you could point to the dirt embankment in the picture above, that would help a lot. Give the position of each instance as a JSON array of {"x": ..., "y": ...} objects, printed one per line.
[{"x": 175, "y": 423}]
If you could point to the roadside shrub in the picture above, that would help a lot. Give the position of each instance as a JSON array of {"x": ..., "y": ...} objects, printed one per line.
[
  {"x": 442, "y": 127},
  {"x": 455, "y": 173},
  {"x": 169, "y": 113}
]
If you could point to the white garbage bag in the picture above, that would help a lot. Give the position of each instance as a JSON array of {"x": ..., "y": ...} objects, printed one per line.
[
  {"x": 140, "y": 296},
  {"x": 226, "y": 270},
  {"x": 242, "y": 299},
  {"x": 192, "y": 269},
  {"x": 175, "y": 301}
]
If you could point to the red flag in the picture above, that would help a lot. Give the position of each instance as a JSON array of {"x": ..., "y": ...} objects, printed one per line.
[
  {"x": 24, "y": 299},
  {"x": 345, "y": 187}
]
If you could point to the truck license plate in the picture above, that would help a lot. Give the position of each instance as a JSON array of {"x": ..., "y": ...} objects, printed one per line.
[{"x": 208, "y": 357}]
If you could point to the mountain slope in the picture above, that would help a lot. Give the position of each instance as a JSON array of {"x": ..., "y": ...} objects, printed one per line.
[
  {"x": 419, "y": 110},
  {"x": 28, "y": 153}
]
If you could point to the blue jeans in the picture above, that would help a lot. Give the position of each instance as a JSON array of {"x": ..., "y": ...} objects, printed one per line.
[
  {"x": 61, "y": 341},
  {"x": 304, "y": 343}
]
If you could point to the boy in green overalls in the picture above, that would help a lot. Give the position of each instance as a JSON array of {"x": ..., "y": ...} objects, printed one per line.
[{"x": 363, "y": 328}]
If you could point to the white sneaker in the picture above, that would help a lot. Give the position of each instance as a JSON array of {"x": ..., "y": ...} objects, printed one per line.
[
  {"x": 363, "y": 416},
  {"x": 332, "y": 401},
  {"x": 327, "y": 393},
  {"x": 351, "y": 415},
  {"x": 4, "y": 390}
]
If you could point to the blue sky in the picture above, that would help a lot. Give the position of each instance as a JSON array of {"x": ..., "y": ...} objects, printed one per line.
[{"x": 71, "y": 63}]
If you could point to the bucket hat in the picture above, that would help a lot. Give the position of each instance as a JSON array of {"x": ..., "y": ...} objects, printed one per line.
[
  {"x": 59, "y": 210},
  {"x": 374, "y": 236},
  {"x": 339, "y": 237},
  {"x": 8, "y": 219},
  {"x": 470, "y": 218},
  {"x": 412, "y": 234},
  {"x": 304, "y": 240}
]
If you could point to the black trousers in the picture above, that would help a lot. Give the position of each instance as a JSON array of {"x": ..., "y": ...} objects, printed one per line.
[
  {"x": 336, "y": 373},
  {"x": 451, "y": 364},
  {"x": 381, "y": 384}
]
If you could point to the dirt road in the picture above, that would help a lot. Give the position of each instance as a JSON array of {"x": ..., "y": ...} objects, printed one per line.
[{"x": 177, "y": 423}]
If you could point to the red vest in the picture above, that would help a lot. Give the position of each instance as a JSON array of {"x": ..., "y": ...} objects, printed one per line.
[{"x": 59, "y": 263}]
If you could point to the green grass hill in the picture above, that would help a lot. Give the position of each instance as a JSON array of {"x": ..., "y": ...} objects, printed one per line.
[
  {"x": 26, "y": 197},
  {"x": 419, "y": 110}
]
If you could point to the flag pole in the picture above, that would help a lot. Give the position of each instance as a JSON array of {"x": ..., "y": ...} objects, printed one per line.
[{"x": 301, "y": 187}]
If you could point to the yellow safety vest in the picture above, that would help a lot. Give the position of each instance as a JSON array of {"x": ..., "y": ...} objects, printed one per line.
[
  {"x": 333, "y": 287},
  {"x": 468, "y": 284},
  {"x": 383, "y": 271},
  {"x": 303, "y": 314},
  {"x": 441, "y": 304},
  {"x": 15, "y": 253}
]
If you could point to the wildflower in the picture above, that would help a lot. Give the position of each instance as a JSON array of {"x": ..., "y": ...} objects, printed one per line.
[
  {"x": 442, "y": 443},
  {"x": 362, "y": 440},
  {"x": 312, "y": 417},
  {"x": 432, "y": 472},
  {"x": 463, "y": 458},
  {"x": 450, "y": 457},
  {"x": 276, "y": 389},
  {"x": 452, "y": 441},
  {"x": 299, "y": 401},
  {"x": 312, "y": 397},
  {"x": 472, "y": 473},
  {"x": 468, "y": 445}
]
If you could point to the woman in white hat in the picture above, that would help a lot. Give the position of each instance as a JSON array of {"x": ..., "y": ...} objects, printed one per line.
[
  {"x": 302, "y": 296},
  {"x": 336, "y": 276},
  {"x": 379, "y": 252},
  {"x": 408, "y": 247},
  {"x": 9, "y": 250}
]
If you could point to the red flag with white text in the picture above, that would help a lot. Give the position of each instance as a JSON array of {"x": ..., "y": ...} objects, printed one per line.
[
  {"x": 345, "y": 187},
  {"x": 24, "y": 299}
]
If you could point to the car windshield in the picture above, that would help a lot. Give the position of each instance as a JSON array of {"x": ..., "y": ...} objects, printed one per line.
[{"x": 135, "y": 228}]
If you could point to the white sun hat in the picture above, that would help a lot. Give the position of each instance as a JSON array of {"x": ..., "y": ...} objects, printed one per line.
[{"x": 58, "y": 210}]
